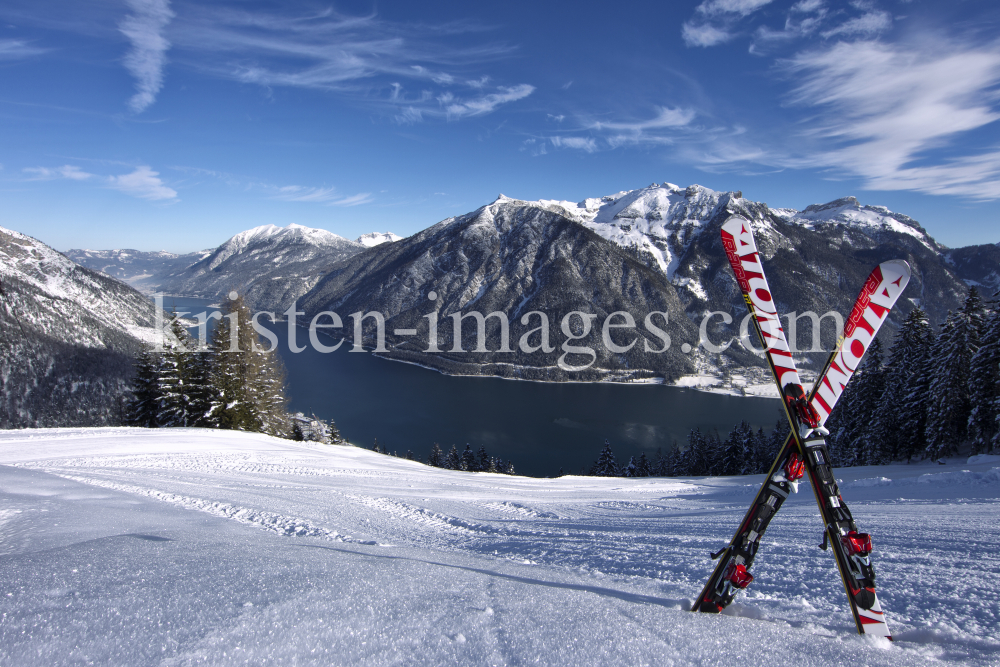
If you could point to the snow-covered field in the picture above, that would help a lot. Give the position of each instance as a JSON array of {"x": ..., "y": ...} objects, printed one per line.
[{"x": 185, "y": 547}]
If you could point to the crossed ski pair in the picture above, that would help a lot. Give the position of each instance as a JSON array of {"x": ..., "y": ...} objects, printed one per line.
[{"x": 805, "y": 451}]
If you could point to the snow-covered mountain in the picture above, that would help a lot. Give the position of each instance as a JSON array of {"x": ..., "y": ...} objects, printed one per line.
[
  {"x": 373, "y": 239},
  {"x": 272, "y": 265},
  {"x": 514, "y": 257},
  {"x": 978, "y": 265},
  {"x": 67, "y": 337},
  {"x": 502, "y": 256},
  {"x": 816, "y": 261},
  {"x": 144, "y": 271},
  {"x": 665, "y": 224}
]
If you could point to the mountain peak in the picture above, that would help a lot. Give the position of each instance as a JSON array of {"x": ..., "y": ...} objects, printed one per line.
[{"x": 850, "y": 212}]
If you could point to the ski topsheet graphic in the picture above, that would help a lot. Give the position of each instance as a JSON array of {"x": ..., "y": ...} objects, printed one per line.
[
  {"x": 805, "y": 450},
  {"x": 877, "y": 298},
  {"x": 741, "y": 249}
]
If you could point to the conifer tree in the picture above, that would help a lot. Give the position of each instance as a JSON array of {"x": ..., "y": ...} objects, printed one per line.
[
  {"x": 912, "y": 434},
  {"x": 863, "y": 396},
  {"x": 950, "y": 402},
  {"x": 144, "y": 408},
  {"x": 605, "y": 466},
  {"x": 436, "y": 458},
  {"x": 631, "y": 469},
  {"x": 776, "y": 440},
  {"x": 671, "y": 463},
  {"x": 659, "y": 466},
  {"x": 712, "y": 454},
  {"x": 469, "y": 459},
  {"x": 483, "y": 464},
  {"x": 185, "y": 376},
  {"x": 493, "y": 467},
  {"x": 454, "y": 460},
  {"x": 906, "y": 355},
  {"x": 247, "y": 383},
  {"x": 736, "y": 450},
  {"x": 642, "y": 467},
  {"x": 695, "y": 454},
  {"x": 678, "y": 462},
  {"x": 269, "y": 397},
  {"x": 760, "y": 460},
  {"x": 984, "y": 417}
]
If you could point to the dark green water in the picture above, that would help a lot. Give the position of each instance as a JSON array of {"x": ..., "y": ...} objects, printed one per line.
[{"x": 541, "y": 427}]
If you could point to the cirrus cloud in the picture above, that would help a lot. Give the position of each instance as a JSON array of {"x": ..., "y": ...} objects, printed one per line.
[
  {"x": 897, "y": 115},
  {"x": 67, "y": 171},
  {"x": 144, "y": 28}
]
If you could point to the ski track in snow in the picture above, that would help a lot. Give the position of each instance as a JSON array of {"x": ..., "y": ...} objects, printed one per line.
[{"x": 637, "y": 549}]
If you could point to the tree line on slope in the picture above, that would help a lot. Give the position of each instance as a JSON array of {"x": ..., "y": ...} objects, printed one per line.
[
  {"x": 234, "y": 383},
  {"x": 743, "y": 452},
  {"x": 467, "y": 461},
  {"x": 936, "y": 394}
]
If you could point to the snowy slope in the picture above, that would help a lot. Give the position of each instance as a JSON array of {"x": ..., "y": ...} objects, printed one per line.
[
  {"x": 67, "y": 336},
  {"x": 660, "y": 220},
  {"x": 373, "y": 239},
  {"x": 182, "y": 547},
  {"x": 63, "y": 294}
]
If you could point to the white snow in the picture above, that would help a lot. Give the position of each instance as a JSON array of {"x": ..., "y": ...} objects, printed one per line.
[
  {"x": 848, "y": 211},
  {"x": 275, "y": 235},
  {"x": 373, "y": 239},
  {"x": 653, "y": 219},
  {"x": 697, "y": 381},
  {"x": 188, "y": 546}
]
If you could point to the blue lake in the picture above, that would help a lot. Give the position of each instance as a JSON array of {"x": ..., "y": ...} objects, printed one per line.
[{"x": 541, "y": 427}]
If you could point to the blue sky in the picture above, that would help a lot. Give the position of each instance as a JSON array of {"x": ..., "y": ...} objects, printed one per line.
[{"x": 165, "y": 124}]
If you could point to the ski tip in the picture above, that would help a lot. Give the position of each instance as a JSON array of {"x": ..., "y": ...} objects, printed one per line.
[
  {"x": 735, "y": 226},
  {"x": 896, "y": 267}
]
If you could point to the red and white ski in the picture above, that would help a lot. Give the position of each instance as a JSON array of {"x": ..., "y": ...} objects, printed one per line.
[
  {"x": 805, "y": 450},
  {"x": 741, "y": 249}
]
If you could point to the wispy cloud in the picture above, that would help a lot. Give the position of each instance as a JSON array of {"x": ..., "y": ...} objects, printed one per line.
[
  {"x": 68, "y": 171},
  {"x": 579, "y": 143},
  {"x": 737, "y": 7},
  {"x": 610, "y": 134},
  {"x": 13, "y": 49},
  {"x": 887, "y": 111},
  {"x": 146, "y": 59},
  {"x": 666, "y": 117},
  {"x": 719, "y": 21},
  {"x": 407, "y": 69},
  {"x": 866, "y": 25},
  {"x": 704, "y": 34},
  {"x": 328, "y": 196},
  {"x": 143, "y": 183},
  {"x": 487, "y": 103},
  {"x": 715, "y": 20}
]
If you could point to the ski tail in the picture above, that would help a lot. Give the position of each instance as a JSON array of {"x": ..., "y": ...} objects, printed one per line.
[{"x": 851, "y": 549}]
